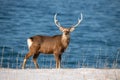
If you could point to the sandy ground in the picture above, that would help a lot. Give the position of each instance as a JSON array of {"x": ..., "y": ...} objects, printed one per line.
[{"x": 60, "y": 74}]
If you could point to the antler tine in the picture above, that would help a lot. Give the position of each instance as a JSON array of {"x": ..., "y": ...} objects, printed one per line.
[
  {"x": 79, "y": 20},
  {"x": 56, "y": 21}
]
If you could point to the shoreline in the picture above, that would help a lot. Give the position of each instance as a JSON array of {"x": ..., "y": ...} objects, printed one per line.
[{"x": 60, "y": 74}]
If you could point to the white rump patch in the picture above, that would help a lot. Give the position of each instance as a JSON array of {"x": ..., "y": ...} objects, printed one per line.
[{"x": 29, "y": 42}]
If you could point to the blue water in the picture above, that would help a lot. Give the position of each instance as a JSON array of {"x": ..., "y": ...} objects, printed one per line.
[{"x": 95, "y": 42}]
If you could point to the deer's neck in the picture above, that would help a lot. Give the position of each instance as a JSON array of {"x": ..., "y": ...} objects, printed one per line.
[{"x": 65, "y": 40}]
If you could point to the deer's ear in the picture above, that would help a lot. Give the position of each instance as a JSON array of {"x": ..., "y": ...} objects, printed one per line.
[
  {"x": 72, "y": 29},
  {"x": 61, "y": 29}
]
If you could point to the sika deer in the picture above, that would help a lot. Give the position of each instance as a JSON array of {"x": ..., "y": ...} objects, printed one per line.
[{"x": 50, "y": 44}]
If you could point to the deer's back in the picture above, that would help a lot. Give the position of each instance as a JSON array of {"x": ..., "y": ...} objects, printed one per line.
[{"x": 48, "y": 44}]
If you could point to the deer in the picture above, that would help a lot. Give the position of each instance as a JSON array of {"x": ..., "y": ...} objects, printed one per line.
[{"x": 55, "y": 45}]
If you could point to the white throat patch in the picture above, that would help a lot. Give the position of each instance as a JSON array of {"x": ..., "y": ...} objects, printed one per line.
[{"x": 64, "y": 37}]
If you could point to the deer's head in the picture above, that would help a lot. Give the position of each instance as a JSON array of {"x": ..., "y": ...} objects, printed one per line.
[{"x": 66, "y": 31}]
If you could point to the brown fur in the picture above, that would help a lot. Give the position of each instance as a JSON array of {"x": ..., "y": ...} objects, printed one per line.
[
  {"x": 48, "y": 45},
  {"x": 54, "y": 44}
]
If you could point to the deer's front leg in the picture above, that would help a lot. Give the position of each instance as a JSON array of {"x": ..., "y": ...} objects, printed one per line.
[{"x": 58, "y": 60}]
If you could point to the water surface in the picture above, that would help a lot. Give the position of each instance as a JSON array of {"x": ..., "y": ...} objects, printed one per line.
[{"x": 94, "y": 43}]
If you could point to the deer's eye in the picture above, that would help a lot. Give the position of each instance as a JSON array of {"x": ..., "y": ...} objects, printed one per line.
[{"x": 67, "y": 32}]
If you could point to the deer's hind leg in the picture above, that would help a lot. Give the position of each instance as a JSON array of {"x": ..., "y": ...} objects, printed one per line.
[
  {"x": 33, "y": 51},
  {"x": 25, "y": 59},
  {"x": 35, "y": 60}
]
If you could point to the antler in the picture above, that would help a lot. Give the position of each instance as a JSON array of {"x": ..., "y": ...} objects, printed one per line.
[
  {"x": 58, "y": 24},
  {"x": 79, "y": 20},
  {"x": 56, "y": 21}
]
